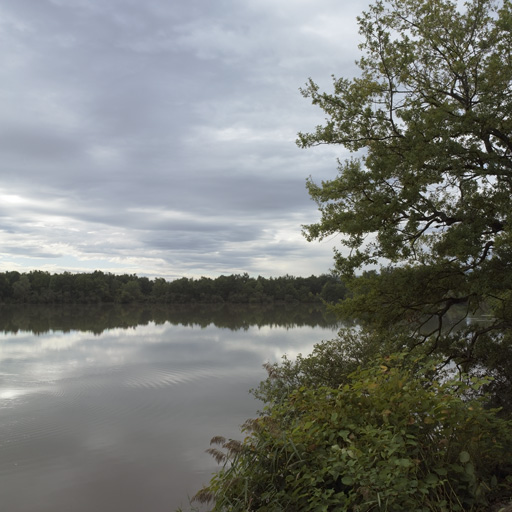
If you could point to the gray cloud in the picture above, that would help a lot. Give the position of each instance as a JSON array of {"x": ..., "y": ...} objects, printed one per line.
[{"x": 158, "y": 138}]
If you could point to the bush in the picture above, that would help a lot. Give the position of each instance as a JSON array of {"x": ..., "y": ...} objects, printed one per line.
[{"x": 397, "y": 435}]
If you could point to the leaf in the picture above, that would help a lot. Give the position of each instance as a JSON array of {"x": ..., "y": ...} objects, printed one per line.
[
  {"x": 344, "y": 435},
  {"x": 464, "y": 457},
  {"x": 347, "y": 480},
  {"x": 469, "y": 469},
  {"x": 431, "y": 479},
  {"x": 334, "y": 472}
]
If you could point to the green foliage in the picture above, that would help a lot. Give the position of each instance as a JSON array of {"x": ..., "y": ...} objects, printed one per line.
[
  {"x": 428, "y": 189},
  {"x": 328, "y": 365},
  {"x": 38, "y": 287},
  {"x": 427, "y": 197},
  {"x": 393, "y": 436}
]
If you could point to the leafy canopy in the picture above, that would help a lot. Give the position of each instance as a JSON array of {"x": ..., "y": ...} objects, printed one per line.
[{"x": 428, "y": 189}]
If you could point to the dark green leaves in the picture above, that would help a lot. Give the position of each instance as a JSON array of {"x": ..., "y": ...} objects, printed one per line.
[
  {"x": 427, "y": 194},
  {"x": 390, "y": 437}
]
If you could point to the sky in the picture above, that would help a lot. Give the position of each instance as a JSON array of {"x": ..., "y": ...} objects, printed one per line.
[{"x": 157, "y": 137}]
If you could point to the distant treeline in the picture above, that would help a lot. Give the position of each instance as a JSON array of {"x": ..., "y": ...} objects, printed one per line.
[{"x": 38, "y": 287}]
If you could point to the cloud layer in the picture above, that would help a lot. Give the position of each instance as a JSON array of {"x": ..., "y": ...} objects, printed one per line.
[{"x": 157, "y": 137}]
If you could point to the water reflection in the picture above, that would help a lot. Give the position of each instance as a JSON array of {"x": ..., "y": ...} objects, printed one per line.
[
  {"x": 116, "y": 415},
  {"x": 40, "y": 319}
]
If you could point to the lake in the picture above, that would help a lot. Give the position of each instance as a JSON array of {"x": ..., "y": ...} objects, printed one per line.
[{"x": 112, "y": 408}]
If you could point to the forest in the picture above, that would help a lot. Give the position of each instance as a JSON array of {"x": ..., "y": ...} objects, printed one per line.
[{"x": 39, "y": 287}]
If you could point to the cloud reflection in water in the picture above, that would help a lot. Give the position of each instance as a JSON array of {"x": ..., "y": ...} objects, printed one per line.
[{"x": 120, "y": 420}]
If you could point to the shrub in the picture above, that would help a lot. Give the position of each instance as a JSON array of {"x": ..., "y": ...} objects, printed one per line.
[{"x": 397, "y": 435}]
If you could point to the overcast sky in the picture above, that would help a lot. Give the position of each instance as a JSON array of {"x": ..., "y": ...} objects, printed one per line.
[{"x": 157, "y": 137}]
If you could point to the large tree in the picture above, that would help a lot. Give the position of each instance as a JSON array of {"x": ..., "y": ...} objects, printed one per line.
[
  {"x": 427, "y": 194},
  {"x": 427, "y": 197}
]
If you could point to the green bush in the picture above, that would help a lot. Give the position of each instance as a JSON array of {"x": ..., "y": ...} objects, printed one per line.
[
  {"x": 328, "y": 364},
  {"x": 397, "y": 435}
]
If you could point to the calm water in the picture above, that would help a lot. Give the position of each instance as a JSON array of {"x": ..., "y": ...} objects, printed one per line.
[{"x": 111, "y": 409}]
